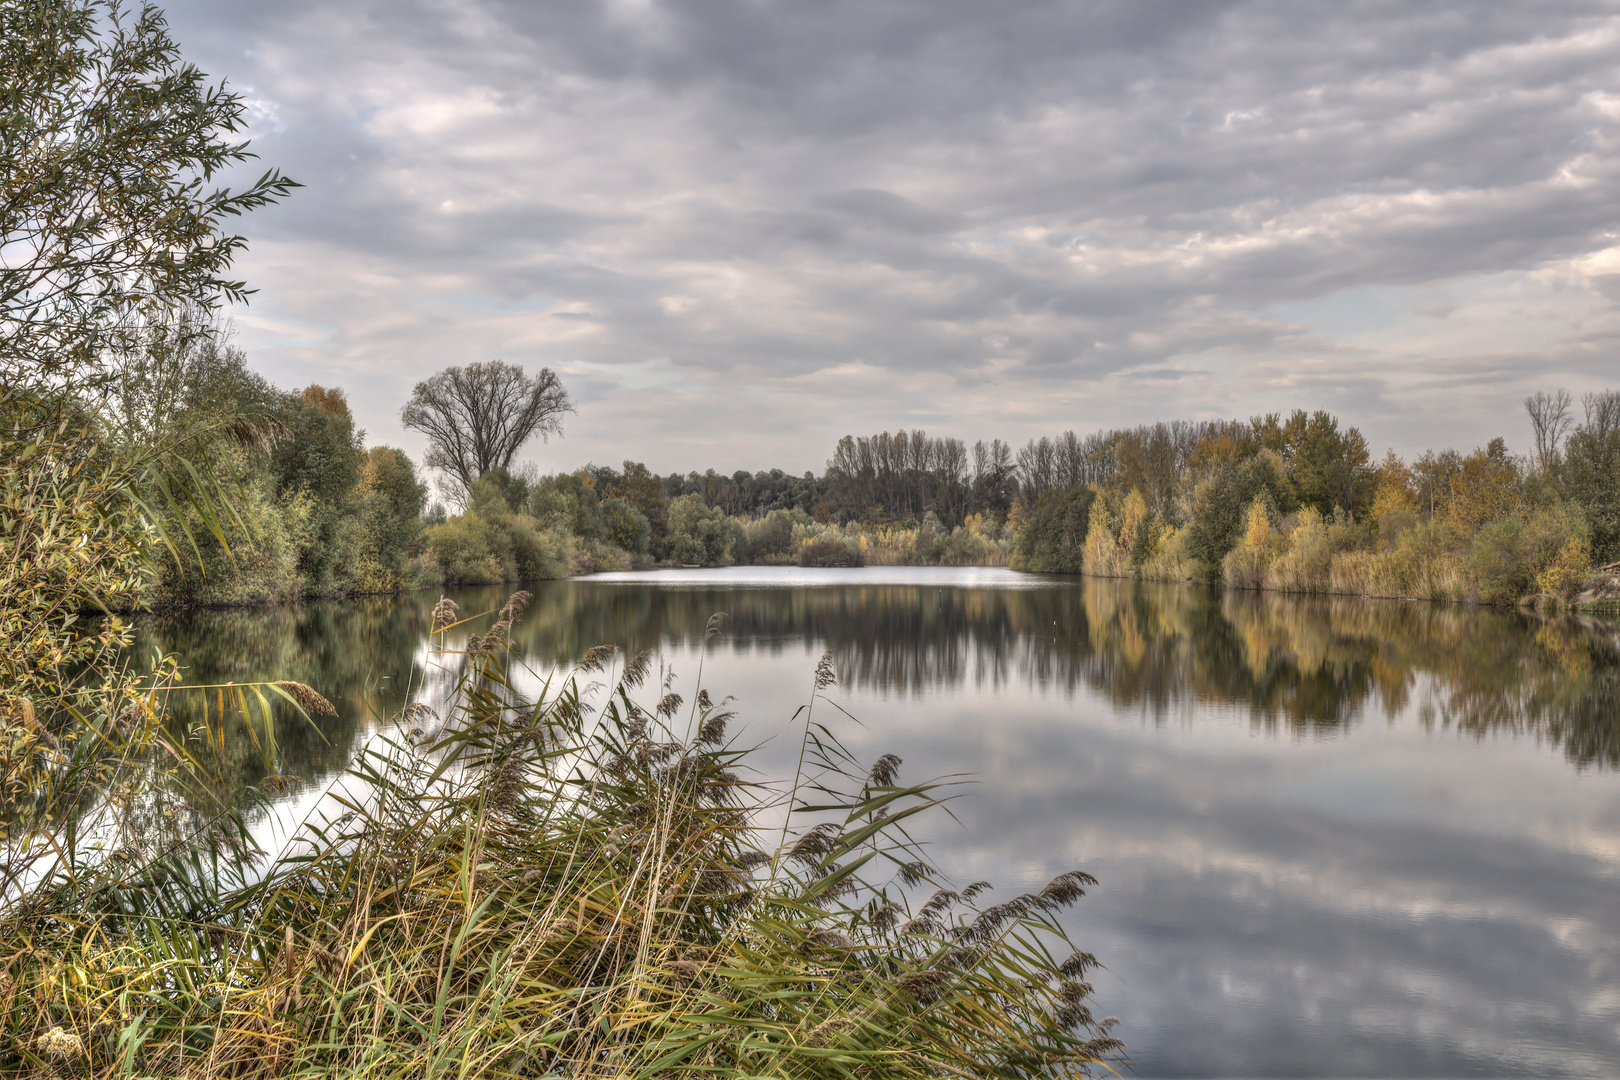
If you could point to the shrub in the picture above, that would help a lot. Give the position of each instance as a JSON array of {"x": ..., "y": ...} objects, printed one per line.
[
  {"x": 1305, "y": 564},
  {"x": 548, "y": 889},
  {"x": 1510, "y": 554},
  {"x": 1359, "y": 573},
  {"x": 827, "y": 551},
  {"x": 470, "y": 550},
  {"x": 600, "y": 557},
  {"x": 975, "y": 542},
  {"x": 767, "y": 540},
  {"x": 1168, "y": 559},
  {"x": 1221, "y": 506},
  {"x": 1564, "y": 577},
  {"x": 929, "y": 543},
  {"x": 540, "y": 554},
  {"x": 1427, "y": 562}
]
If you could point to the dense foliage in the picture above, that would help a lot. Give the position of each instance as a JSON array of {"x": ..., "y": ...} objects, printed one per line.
[
  {"x": 316, "y": 512},
  {"x": 1052, "y": 533},
  {"x": 1277, "y": 502}
]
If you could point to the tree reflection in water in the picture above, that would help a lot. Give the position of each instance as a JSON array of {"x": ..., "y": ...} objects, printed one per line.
[{"x": 1311, "y": 665}]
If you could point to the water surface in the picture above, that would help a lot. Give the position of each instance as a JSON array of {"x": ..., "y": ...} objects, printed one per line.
[{"x": 1334, "y": 837}]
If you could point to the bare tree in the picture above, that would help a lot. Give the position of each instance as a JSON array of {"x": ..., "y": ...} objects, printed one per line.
[
  {"x": 1550, "y": 422},
  {"x": 478, "y": 416},
  {"x": 1602, "y": 412},
  {"x": 1038, "y": 467}
]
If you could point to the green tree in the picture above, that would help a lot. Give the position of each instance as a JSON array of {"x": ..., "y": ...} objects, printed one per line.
[
  {"x": 1432, "y": 475},
  {"x": 391, "y": 500},
  {"x": 1486, "y": 486},
  {"x": 1589, "y": 476},
  {"x": 108, "y": 227},
  {"x": 514, "y": 488},
  {"x": 1329, "y": 468},
  {"x": 643, "y": 490},
  {"x": 699, "y": 535},
  {"x": 320, "y": 460},
  {"x": 568, "y": 501},
  {"x": 108, "y": 146},
  {"x": 1221, "y": 504},
  {"x": 624, "y": 526}
]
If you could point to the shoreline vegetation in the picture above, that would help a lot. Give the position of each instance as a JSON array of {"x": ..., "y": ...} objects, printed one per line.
[
  {"x": 1292, "y": 504},
  {"x": 527, "y": 885}
]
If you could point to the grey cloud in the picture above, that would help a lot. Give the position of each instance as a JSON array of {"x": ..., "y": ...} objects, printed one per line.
[
  {"x": 1058, "y": 192},
  {"x": 887, "y": 210}
]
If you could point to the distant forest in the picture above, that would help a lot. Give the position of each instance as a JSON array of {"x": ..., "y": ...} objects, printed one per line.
[{"x": 1294, "y": 502}]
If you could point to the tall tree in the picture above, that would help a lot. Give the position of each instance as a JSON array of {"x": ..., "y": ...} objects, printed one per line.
[
  {"x": 477, "y": 417},
  {"x": 1549, "y": 423}
]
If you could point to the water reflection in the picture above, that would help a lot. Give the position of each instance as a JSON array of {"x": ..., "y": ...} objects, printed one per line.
[
  {"x": 1293, "y": 664},
  {"x": 1334, "y": 837},
  {"x": 362, "y": 655}
]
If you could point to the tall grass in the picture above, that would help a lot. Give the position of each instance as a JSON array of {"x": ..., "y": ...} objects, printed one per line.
[{"x": 570, "y": 882}]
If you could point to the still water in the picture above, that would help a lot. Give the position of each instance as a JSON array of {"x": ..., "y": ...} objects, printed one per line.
[{"x": 1333, "y": 837}]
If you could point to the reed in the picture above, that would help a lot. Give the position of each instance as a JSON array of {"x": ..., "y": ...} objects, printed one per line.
[{"x": 571, "y": 882}]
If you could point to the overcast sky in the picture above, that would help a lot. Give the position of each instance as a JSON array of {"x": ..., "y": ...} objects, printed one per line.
[{"x": 740, "y": 230}]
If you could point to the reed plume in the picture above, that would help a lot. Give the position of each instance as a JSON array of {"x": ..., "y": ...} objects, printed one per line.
[
  {"x": 311, "y": 702},
  {"x": 635, "y": 672},
  {"x": 515, "y": 606},
  {"x": 257, "y": 431},
  {"x": 60, "y": 1045},
  {"x": 884, "y": 771},
  {"x": 444, "y": 614},
  {"x": 279, "y": 783}
]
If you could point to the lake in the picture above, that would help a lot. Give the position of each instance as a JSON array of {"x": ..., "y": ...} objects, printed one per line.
[{"x": 1333, "y": 837}]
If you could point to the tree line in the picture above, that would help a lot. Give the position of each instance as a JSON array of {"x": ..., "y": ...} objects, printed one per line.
[
  {"x": 1296, "y": 503},
  {"x": 318, "y": 512},
  {"x": 1179, "y": 500}
]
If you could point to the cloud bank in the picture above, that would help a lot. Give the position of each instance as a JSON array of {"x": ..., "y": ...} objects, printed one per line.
[{"x": 739, "y": 230}]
